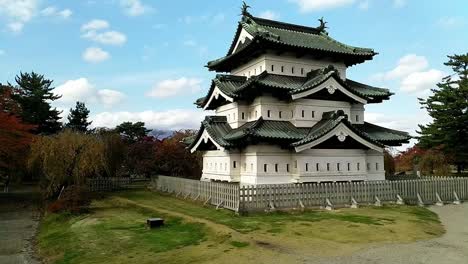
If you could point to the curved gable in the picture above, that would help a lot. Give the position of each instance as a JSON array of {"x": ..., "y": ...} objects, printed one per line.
[
  {"x": 341, "y": 131},
  {"x": 331, "y": 84}
]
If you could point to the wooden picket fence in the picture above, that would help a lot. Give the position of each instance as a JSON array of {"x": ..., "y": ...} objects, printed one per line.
[
  {"x": 219, "y": 194},
  {"x": 248, "y": 198},
  {"x": 108, "y": 184}
]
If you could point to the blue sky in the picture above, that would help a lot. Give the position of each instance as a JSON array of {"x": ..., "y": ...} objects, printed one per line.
[{"x": 144, "y": 60}]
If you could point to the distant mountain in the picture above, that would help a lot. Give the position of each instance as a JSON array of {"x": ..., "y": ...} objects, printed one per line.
[{"x": 161, "y": 134}]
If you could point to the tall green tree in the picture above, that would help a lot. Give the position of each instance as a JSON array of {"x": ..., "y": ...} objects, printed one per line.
[
  {"x": 78, "y": 118},
  {"x": 34, "y": 94},
  {"x": 132, "y": 132},
  {"x": 448, "y": 107}
]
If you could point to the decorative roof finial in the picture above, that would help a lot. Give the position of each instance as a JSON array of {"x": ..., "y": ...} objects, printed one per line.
[
  {"x": 323, "y": 25},
  {"x": 244, "y": 8}
]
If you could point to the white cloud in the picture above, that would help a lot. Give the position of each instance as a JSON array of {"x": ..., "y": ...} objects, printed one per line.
[
  {"x": 15, "y": 27},
  {"x": 110, "y": 97},
  {"x": 316, "y": 5},
  {"x": 190, "y": 43},
  {"x": 172, "y": 87},
  {"x": 166, "y": 120},
  {"x": 450, "y": 22},
  {"x": 406, "y": 65},
  {"x": 107, "y": 38},
  {"x": 134, "y": 7},
  {"x": 84, "y": 91},
  {"x": 52, "y": 11},
  {"x": 269, "y": 14},
  {"x": 413, "y": 73},
  {"x": 421, "y": 82},
  {"x": 399, "y": 3},
  {"x": 407, "y": 123},
  {"x": 95, "y": 24},
  {"x": 18, "y": 12},
  {"x": 93, "y": 31},
  {"x": 95, "y": 55},
  {"x": 364, "y": 5}
]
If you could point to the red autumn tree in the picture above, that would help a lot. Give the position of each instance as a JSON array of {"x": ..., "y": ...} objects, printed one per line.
[
  {"x": 173, "y": 158},
  {"x": 406, "y": 160},
  {"x": 15, "y": 136}
]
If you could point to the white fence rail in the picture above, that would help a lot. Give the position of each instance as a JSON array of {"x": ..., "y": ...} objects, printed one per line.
[
  {"x": 220, "y": 194},
  {"x": 283, "y": 196}
]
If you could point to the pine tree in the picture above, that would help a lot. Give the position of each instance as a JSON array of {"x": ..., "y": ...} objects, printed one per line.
[
  {"x": 132, "y": 132},
  {"x": 78, "y": 118},
  {"x": 34, "y": 94},
  {"x": 448, "y": 106}
]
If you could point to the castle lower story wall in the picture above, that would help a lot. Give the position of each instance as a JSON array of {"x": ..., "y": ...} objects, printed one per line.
[{"x": 266, "y": 164}]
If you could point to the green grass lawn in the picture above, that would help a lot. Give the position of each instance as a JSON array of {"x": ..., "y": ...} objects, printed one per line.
[{"x": 114, "y": 232}]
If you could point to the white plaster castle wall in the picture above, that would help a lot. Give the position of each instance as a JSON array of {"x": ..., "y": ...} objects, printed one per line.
[
  {"x": 285, "y": 64},
  {"x": 332, "y": 165},
  {"x": 219, "y": 166},
  {"x": 301, "y": 112}
]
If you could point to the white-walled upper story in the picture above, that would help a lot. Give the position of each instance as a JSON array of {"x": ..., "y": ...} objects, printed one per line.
[
  {"x": 285, "y": 64},
  {"x": 301, "y": 112}
]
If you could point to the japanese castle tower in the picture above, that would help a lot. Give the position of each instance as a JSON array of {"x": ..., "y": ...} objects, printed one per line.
[{"x": 285, "y": 111}]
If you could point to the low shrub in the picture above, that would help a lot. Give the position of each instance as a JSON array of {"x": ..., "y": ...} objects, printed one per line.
[{"x": 74, "y": 199}]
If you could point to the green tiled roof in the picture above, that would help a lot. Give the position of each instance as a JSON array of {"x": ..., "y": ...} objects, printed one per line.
[
  {"x": 329, "y": 121},
  {"x": 267, "y": 129},
  {"x": 382, "y": 134},
  {"x": 284, "y": 131},
  {"x": 235, "y": 86},
  {"x": 216, "y": 127},
  {"x": 289, "y": 36}
]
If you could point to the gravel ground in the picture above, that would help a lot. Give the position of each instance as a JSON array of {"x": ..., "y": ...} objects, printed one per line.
[
  {"x": 18, "y": 223},
  {"x": 451, "y": 248}
]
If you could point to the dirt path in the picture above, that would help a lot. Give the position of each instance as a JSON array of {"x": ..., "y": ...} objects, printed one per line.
[
  {"x": 451, "y": 248},
  {"x": 18, "y": 224}
]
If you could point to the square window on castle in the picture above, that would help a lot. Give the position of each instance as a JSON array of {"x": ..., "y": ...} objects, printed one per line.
[
  {"x": 302, "y": 71},
  {"x": 338, "y": 166},
  {"x": 287, "y": 167},
  {"x": 272, "y": 68},
  {"x": 317, "y": 166},
  {"x": 349, "y": 166},
  {"x": 265, "y": 167},
  {"x": 243, "y": 115},
  {"x": 280, "y": 114},
  {"x": 282, "y": 68},
  {"x": 276, "y": 167},
  {"x": 303, "y": 114},
  {"x": 292, "y": 70},
  {"x": 307, "y": 166},
  {"x": 328, "y": 166},
  {"x": 269, "y": 113},
  {"x": 313, "y": 114}
]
